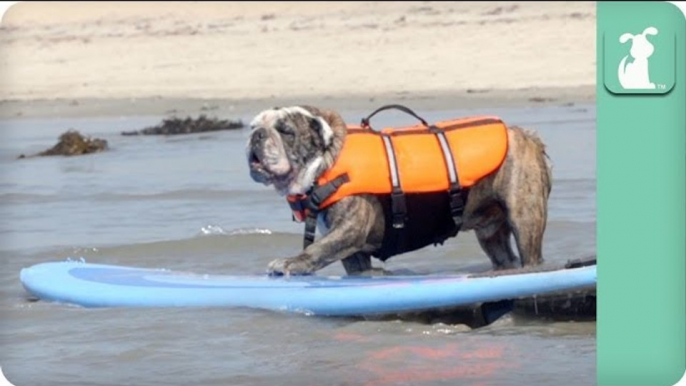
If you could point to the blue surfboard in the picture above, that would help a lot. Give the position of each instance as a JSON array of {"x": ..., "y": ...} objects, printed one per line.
[{"x": 95, "y": 285}]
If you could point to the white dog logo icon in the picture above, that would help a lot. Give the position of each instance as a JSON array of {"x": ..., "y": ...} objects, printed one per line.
[{"x": 635, "y": 75}]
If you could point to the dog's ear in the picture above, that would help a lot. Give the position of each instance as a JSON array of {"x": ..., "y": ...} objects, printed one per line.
[
  {"x": 327, "y": 123},
  {"x": 650, "y": 31},
  {"x": 624, "y": 38},
  {"x": 316, "y": 124},
  {"x": 321, "y": 127}
]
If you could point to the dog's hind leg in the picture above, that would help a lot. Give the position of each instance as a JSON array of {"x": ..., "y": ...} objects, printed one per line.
[
  {"x": 495, "y": 241},
  {"x": 528, "y": 231},
  {"x": 526, "y": 196},
  {"x": 526, "y": 217}
]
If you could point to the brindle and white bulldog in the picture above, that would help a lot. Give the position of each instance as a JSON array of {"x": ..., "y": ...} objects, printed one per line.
[{"x": 290, "y": 147}]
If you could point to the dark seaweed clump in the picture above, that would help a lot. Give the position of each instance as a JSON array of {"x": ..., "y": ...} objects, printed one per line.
[
  {"x": 72, "y": 143},
  {"x": 176, "y": 126}
]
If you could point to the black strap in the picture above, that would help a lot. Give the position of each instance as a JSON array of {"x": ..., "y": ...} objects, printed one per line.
[
  {"x": 399, "y": 208},
  {"x": 310, "y": 229},
  {"x": 313, "y": 202},
  {"x": 457, "y": 204},
  {"x": 398, "y": 204},
  {"x": 457, "y": 199},
  {"x": 319, "y": 194},
  {"x": 365, "y": 121}
]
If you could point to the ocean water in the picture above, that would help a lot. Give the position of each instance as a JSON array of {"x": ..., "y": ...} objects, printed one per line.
[{"x": 188, "y": 203}]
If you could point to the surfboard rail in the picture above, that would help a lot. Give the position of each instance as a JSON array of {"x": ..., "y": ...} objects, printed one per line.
[{"x": 98, "y": 285}]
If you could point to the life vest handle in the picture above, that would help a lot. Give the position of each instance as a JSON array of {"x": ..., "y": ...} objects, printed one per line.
[{"x": 365, "y": 121}]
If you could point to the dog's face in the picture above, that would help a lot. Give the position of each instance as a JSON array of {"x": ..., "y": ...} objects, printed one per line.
[{"x": 286, "y": 147}]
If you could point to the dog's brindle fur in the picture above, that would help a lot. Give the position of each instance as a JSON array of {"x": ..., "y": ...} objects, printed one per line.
[{"x": 291, "y": 147}]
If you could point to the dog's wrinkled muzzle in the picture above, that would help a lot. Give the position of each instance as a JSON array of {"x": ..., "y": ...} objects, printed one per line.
[{"x": 255, "y": 155}]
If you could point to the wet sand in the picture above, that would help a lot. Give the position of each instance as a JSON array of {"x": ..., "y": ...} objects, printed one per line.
[
  {"x": 71, "y": 59},
  {"x": 89, "y": 107}
]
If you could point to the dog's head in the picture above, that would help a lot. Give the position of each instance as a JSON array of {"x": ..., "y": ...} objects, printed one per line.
[{"x": 290, "y": 147}]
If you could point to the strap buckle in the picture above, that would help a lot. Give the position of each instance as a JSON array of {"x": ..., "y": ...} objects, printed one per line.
[
  {"x": 315, "y": 198},
  {"x": 313, "y": 201},
  {"x": 319, "y": 194},
  {"x": 457, "y": 204},
  {"x": 399, "y": 209}
]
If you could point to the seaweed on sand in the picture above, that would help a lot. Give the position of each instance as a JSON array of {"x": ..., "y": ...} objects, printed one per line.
[
  {"x": 176, "y": 126},
  {"x": 72, "y": 143}
]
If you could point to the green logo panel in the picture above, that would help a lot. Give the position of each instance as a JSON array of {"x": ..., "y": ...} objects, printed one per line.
[{"x": 639, "y": 53}]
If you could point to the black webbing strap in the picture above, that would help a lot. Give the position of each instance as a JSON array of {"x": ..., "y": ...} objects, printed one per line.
[
  {"x": 457, "y": 201},
  {"x": 398, "y": 204},
  {"x": 365, "y": 121},
  {"x": 310, "y": 229},
  {"x": 314, "y": 200}
]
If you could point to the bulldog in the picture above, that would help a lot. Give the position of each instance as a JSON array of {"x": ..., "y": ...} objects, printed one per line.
[{"x": 290, "y": 147}]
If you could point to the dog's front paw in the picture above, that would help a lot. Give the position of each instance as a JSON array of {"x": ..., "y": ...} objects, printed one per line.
[{"x": 292, "y": 266}]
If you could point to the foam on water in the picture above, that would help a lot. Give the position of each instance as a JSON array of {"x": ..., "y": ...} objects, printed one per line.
[
  {"x": 218, "y": 230},
  {"x": 212, "y": 230}
]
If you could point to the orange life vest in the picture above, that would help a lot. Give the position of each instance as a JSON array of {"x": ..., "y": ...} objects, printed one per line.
[
  {"x": 478, "y": 147},
  {"x": 448, "y": 156}
]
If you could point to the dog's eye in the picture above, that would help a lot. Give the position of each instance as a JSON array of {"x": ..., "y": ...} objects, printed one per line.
[
  {"x": 288, "y": 136},
  {"x": 285, "y": 130}
]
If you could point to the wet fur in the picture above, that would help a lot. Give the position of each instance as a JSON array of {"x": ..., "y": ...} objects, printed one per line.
[{"x": 512, "y": 201}]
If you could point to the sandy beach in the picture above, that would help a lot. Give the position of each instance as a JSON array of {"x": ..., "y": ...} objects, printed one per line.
[{"x": 74, "y": 59}]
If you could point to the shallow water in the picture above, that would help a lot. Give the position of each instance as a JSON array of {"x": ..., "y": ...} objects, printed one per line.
[{"x": 187, "y": 203}]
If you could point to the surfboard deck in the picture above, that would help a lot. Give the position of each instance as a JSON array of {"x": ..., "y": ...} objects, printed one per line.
[{"x": 97, "y": 285}]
